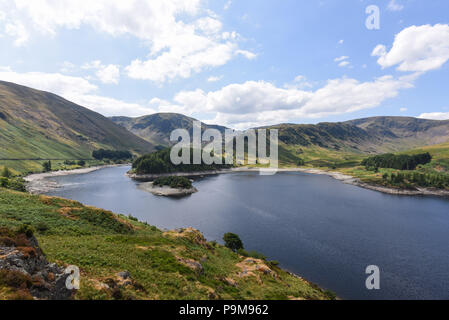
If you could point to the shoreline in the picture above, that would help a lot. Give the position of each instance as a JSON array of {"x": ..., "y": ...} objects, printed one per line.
[
  {"x": 38, "y": 183},
  {"x": 344, "y": 178}
]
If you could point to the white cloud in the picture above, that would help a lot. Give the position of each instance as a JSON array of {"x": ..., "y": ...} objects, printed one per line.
[
  {"x": 227, "y": 5},
  {"x": 341, "y": 41},
  {"x": 435, "y": 116},
  {"x": 394, "y": 6},
  {"x": 343, "y": 61},
  {"x": 183, "y": 37},
  {"x": 18, "y": 31},
  {"x": 403, "y": 109},
  {"x": 257, "y": 103},
  {"x": 75, "y": 89},
  {"x": 341, "y": 58},
  {"x": 214, "y": 78},
  {"x": 417, "y": 49},
  {"x": 108, "y": 74},
  {"x": 247, "y": 54}
]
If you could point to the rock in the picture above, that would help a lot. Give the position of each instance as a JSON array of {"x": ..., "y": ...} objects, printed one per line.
[
  {"x": 231, "y": 282},
  {"x": 124, "y": 274},
  {"x": 192, "y": 264},
  {"x": 47, "y": 281}
]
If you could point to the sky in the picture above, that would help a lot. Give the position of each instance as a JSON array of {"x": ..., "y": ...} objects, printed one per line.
[{"x": 242, "y": 64}]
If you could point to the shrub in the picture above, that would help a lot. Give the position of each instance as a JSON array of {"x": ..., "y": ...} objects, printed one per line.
[
  {"x": 46, "y": 166},
  {"x": 4, "y": 182},
  {"x": 26, "y": 229},
  {"x": 233, "y": 241},
  {"x": 16, "y": 184},
  {"x": 6, "y": 173},
  {"x": 82, "y": 163},
  {"x": 42, "y": 227}
]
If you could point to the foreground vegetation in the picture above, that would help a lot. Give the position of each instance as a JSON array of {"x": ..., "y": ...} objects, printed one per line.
[{"x": 162, "y": 265}]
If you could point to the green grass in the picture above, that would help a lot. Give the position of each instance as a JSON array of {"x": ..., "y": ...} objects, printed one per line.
[{"x": 102, "y": 244}]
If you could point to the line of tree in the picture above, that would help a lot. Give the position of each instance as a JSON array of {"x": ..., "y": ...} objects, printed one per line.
[
  {"x": 399, "y": 162},
  {"x": 111, "y": 154},
  {"x": 160, "y": 162},
  {"x": 414, "y": 178}
]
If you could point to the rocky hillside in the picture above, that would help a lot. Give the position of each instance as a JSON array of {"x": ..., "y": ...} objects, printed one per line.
[
  {"x": 25, "y": 273},
  {"x": 370, "y": 135},
  {"x": 36, "y": 124},
  {"x": 157, "y": 128}
]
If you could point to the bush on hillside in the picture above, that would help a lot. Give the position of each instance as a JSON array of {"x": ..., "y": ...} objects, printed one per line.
[{"x": 233, "y": 242}]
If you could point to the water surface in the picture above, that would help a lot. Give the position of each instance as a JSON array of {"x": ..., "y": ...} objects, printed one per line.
[{"x": 324, "y": 230}]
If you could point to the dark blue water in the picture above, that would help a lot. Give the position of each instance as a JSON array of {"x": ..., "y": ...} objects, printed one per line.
[{"x": 324, "y": 230}]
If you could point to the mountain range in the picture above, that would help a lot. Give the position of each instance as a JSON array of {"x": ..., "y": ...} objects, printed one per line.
[{"x": 36, "y": 124}]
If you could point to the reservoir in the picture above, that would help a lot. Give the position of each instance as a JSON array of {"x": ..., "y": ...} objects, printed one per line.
[{"x": 317, "y": 227}]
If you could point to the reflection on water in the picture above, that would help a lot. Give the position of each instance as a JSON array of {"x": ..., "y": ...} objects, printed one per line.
[{"x": 315, "y": 226}]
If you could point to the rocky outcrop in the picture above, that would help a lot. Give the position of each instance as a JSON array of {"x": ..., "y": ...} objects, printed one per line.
[
  {"x": 166, "y": 191},
  {"x": 25, "y": 269}
]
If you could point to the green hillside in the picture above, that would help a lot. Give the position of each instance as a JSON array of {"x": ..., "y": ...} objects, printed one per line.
[
  {"x": 40, "y": 125},
  {"x": 157, "y": 128},
  {"x": 162, "y": 265}
]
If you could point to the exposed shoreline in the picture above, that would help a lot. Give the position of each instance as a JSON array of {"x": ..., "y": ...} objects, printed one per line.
[
  {"x": 166, "y": 191},
  {"x": 38, "y": 183},
  {"x": 336, "y": 175}
]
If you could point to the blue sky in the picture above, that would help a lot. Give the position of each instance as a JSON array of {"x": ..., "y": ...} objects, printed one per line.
[{"x": 237, "y": 63}]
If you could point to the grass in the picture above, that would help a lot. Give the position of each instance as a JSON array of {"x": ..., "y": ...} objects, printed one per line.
[{"x": 102, "y": 244}]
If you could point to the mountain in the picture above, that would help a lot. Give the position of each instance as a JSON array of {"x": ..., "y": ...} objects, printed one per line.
[
  {"x": 157, "y": 128},
  {"x": 36, "y": 124},
  {"x": 369, "y": 135},
  {"x": 401, "y": 133}
]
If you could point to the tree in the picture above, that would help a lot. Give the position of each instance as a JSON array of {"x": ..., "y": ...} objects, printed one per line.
[
  {"x": 233, "y": 241},
  {"x": 6, "y": 173},
  {"x": 46, "y": 166},
  {"x": 82, "y": 163}
]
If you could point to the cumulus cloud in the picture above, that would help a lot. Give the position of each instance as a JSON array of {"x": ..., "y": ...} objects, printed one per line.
[
  {"x": 176, "y": 48},
  {"x": 257, "y": 103},
  {"x": 435, "y": 116},
  {"x": 75, "y": 89},
  {"x": 417, "y": 49},
  {"x": 108, "y": 74}
]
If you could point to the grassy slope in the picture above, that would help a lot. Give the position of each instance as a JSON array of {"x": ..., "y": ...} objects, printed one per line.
[
  {"x": 36, "y": 124},
  {"x": 103, "y": 244}
]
